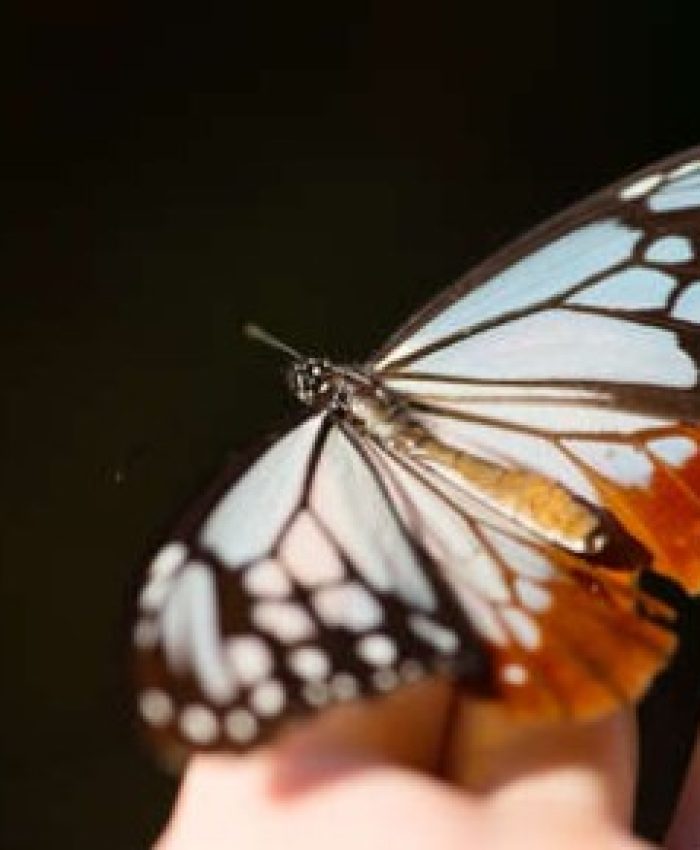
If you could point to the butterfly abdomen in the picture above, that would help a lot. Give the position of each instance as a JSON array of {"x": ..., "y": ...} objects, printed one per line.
[{"x": 538, "y": 503}]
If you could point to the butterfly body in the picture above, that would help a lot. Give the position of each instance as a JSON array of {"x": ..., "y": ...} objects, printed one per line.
[{"x": 482, "y": 495}]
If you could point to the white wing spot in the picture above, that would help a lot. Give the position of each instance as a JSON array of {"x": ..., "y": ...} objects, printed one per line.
[
  {"x": 199, "y": 724},
  {"x": 675, "y": 451},
  {"x": 411, "y": 670},
  {"x": 309, "y": 662},
  {"x": 192, "y": 639},
  {"x": 438, "y": 636},
  {"x": 287, "y": 621},
  {"x": 268, "y": 699},
  {"x": 170, "y": 558},
  {"x": 348, "y": 606},
  {"x": 681, "y": 190},
  {"x": 685, "y": 169},
  {"x": 316, "y": 693},
  {"x": 155, "y": 706},
  {"x": 266, "y": 578},
  {"x": 481, "y": 615},
  {"x": 640, "y": 187},
  {"x": 308, "y": 554},
  {"x": 240, "y": 726},
  {"x": 250, "y": 657},
  {"x": 486, "y": 577},
  {"x": 521, "y": 558},
  {"x": 146, "y": 633},
  {"x": 670, "y": 249},
  {"x": 385, "y": 680},
  {"x": 514, "y": 674},
  {"x": 623, "y": 464},
  {"x": 154, "y": 594},
  {"x": 344, "y": 686},
  {"x": 378, "y": 650},
  {"x": 532, "y": 595},
  {"x": 687, "y": 308},
  {"x": 523, "y": 628}
]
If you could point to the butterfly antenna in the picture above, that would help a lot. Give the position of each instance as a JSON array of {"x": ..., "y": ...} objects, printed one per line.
[{"x": 253, "y": 331}]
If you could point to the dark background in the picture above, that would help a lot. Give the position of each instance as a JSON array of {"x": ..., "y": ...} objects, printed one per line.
[{"x": 168, "y": 176}]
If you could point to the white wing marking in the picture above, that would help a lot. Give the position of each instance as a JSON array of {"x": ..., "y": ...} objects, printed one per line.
[
  {"x": 675, "y": 451},
  {"x": 412, "y": 385},
  {"x": 636, "y": 288},
  {"x": 553, "y": 418},
  {"x": 527, "y": 560},
  {"x": 191, "y": 633},
  {"x": 687, "y": 307},
  {"x": 348, "y": 606},
  {"x": 308, "y": 554},
  {"x": 347, "y": 500},
  {"x": 248, "y": 519},
  {"x": 680, "y": 192},
  {"x": 250, "y": 657},
  {"x": 558, "y": 345},
  {"x": 267, "y": 578},
  {"x": 622, "y": 464},
  {"x": 670, "y": 249},
  {"x": 641, "y": 187},
  {"x": 548, "y": 272}
]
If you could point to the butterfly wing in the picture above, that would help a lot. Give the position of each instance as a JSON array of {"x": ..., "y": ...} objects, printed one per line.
[
  {"x": 575, "y": 352},
  {"x": 292, "y": 586},
  {"x": 563, "y": 641},
  {"x": 334, "y": 567}
]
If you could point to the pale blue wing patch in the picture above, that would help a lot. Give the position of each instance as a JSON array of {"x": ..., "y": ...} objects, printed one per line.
[
  {"x": 557, "y": 345},
  {"x": 248, "y": 518},
  {"x": 670, "y": 249},
  {"x": 551, "y": 271},
  {"x": 680, "y": 191},
  {"x": 347, "y": 500},
  {"x": 626, "y": 465},
  {"x": 687, "y": 307},
  {"x": 636, "y": 288}
]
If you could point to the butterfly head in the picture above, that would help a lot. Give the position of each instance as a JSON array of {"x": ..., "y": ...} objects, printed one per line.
[{"x": 316, "y": 382}]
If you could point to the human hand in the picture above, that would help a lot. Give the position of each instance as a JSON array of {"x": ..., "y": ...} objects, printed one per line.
[{"x": 364, "y": 776}]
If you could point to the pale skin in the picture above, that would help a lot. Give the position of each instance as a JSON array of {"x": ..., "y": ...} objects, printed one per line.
[{"x": 363, "y": 776}]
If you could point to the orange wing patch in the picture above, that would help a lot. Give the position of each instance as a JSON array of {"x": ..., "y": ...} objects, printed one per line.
[
  {"x": 665, "y": 516},
  {"x": 597, "y": 649}
]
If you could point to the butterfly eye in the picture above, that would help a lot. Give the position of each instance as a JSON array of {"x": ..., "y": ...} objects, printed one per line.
[{"x": 310, "y": 380}]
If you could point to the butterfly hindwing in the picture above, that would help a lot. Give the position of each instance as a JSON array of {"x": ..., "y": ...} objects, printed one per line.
[
  {"x": 563, "y": 641},
  {"x": 295, "y": 587}
]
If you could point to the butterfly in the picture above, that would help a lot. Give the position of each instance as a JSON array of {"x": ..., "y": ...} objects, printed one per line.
[{"x": 480, "y": 499}]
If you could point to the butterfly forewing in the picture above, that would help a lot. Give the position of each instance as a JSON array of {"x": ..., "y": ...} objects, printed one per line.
[{"x": 576, "y": 352}]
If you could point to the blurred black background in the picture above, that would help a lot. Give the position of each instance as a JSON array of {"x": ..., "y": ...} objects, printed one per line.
[{"x": 171, "y": 174}]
